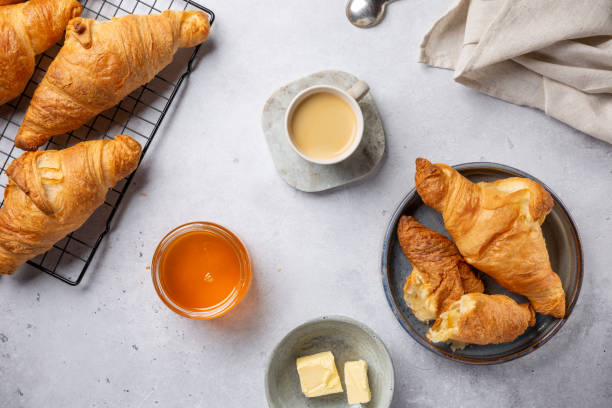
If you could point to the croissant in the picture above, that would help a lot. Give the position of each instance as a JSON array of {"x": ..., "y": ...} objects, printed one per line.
[
  {"x": 52, "y": 193},
  {"x": 5, "y": 2},
  {"x": 439, "y": 275},
  {"x": 482, "y": 319},
  {"x": 26, "y": 30},
  {"x": 101, "y": 63},
  {"x": 496, "y": 227}
]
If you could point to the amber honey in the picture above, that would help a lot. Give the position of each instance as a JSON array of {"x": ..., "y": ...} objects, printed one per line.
[{"x": 201, "y": 270}]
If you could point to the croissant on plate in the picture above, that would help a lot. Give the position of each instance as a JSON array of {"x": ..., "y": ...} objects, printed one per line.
[
  {"x": 482, "y": 319},
  {"x": 439, "y": 275},
  {"x": 496, "y": 227},
  {"x": 52, "y": 193},
  {"x": 26, "y": 30},
  {"x": 101, "y": 63}
]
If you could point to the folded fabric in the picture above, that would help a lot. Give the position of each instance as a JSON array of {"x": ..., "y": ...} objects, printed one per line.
[{"x": 554, "y": 55}]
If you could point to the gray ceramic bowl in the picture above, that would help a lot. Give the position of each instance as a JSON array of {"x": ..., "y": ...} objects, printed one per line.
[
  {"x": 348, "y": 340},
  {"x": 563, "y": 246}
]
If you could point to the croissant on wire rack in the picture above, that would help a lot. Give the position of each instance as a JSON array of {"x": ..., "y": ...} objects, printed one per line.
[
  {"x": 439, "y": 275},
  {"x": 101, "y": 63},
  {"x": 52, "y": 193},
  {"x": 26, "y": 30},
  {"x": 482, "y": 319},
  {"x": 496, "y": 227}
]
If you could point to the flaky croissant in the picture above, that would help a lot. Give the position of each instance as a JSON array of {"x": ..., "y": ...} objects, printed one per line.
[
  {"x": 496, "y": 227},
  {"x": 52, "y": 193},
  {"x": 26, "y": 30},
  {"x": 439, "y": 275},
  {"x": 101, "y": 63},
  {"x": 482, "y": 319}
]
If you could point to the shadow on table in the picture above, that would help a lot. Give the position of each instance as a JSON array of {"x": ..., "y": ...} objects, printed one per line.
[{"x": 244, "y": 315}]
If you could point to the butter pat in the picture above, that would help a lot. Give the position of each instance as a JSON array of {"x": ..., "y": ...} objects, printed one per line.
[
  {"x": 318, "y": 374},
  {"x": 356, "y": 380}
]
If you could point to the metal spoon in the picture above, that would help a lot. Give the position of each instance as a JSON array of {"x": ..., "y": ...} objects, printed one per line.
[{"x": 366, "y": 13}]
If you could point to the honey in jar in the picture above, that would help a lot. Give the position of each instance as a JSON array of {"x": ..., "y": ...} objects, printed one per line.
[{"x": 201, "y": 270}]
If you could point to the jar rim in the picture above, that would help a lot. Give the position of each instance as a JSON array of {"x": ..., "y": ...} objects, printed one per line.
[{"x": 227, "y": 304}]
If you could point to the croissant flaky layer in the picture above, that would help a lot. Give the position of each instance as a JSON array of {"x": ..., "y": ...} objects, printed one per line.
[
  {"x": 101, "y": 63},
  {"x": 52, "y": 193},
  {"x": 439, "y": 276},
  {"x": 28, "y": 29},
  {"x": 482, "y": 319},
  {"x": 496, "y": 227}
]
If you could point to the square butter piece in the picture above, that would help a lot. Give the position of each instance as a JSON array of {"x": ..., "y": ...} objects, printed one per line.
[
  {"x": 318, "y": 374},
  {"x": 356, "y": 380}
]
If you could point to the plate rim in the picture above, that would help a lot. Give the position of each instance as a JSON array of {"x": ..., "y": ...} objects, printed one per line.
[{"x": 510, "y": 171}]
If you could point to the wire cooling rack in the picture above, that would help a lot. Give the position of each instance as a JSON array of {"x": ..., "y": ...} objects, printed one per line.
[{"x": 139, "y": 116}]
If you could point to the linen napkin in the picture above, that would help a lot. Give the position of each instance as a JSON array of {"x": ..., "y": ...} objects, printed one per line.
[{"x": 554, "y": 55}]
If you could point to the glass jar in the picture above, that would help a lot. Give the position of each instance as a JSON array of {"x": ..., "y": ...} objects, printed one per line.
[{"x": 162, "y": 273}]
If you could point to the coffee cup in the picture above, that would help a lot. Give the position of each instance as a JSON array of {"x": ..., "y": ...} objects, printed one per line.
[{"x": 324, "y": 123}]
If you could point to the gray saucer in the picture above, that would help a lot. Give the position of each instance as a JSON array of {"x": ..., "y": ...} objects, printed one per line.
[
  {"x": 307, "y": 176},
  {"x": 348, "y": 340}
]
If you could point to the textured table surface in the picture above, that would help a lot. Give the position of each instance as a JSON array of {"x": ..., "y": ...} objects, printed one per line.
[{"x": 110, "y": 342}]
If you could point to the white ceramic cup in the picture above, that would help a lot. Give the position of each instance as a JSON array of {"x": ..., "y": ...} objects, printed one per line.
[{"x": 352, "y": 97}]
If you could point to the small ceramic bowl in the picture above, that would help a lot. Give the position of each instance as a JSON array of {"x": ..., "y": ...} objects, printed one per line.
[
  {"x": 348, "y": 340},
  {"x": 564, "y": 249}
]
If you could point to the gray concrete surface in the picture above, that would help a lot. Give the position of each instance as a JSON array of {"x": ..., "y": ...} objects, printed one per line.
[{"x": 111, "y": 343}]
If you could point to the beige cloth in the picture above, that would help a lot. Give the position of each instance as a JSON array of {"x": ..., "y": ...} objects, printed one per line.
[{"x": 554, "y": 55}]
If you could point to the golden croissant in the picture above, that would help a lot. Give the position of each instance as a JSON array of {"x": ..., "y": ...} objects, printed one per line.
[
  {"x": 101, "y": 63},
  {"x": 26, "y": 30},
  {"x": 482, "y": 319},
  {"x": 439, "y": 275},
  {"x": 496, "y": 227},
  {"x": 52, "y": 193}
]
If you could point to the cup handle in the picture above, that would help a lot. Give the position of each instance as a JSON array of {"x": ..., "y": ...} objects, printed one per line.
[{"x": 359, "y": 90}]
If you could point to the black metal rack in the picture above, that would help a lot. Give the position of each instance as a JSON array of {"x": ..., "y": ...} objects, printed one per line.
[{"x": 139, "y": 116}]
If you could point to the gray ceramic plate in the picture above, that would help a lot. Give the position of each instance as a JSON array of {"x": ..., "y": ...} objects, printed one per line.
[
  {"x": 348, "y": 340},
  {"x": 564, "y": 250}
]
